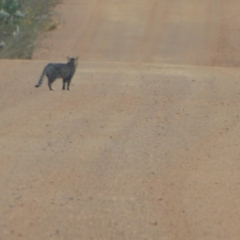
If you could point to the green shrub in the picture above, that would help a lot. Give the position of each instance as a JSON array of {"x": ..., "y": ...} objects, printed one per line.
[
  {"x": 10, "y": 6},
  {"x": 20, "y": 23}
]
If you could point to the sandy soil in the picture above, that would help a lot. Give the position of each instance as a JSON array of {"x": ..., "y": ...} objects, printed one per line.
[{"x": 146, "y": 145}]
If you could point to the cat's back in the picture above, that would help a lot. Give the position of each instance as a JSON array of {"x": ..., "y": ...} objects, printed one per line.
[{"x": 56, "y": 65}]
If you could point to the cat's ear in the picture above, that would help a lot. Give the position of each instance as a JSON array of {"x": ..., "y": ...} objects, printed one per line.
[
  {"x": 76, "y": 60},
  {"x": 68, "y": 58}
]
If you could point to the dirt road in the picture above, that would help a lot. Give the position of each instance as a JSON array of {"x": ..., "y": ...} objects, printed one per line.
[
  {"x": 146, "y": 145},
  {"x": 204, "y": 33}
]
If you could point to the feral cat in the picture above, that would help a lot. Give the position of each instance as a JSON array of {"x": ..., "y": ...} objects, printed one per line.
[{"x": 59, "y": 70}]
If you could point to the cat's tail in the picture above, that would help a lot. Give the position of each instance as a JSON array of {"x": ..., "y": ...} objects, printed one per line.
[{"x": 42, "y": 77}]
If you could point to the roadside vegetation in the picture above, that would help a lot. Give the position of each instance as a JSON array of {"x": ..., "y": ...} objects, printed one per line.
[{"x": 20, "y": 23}]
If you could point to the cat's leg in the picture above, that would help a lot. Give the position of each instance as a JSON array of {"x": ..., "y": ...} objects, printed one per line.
[
  {"x": 50, "y": 81},
  {"x": 64, "y": 83},
  {"x": 68, "y": 83}
]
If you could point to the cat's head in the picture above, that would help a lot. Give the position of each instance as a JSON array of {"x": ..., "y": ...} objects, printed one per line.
[{"x": 73, "y": 60}]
